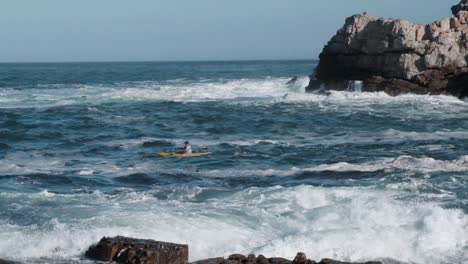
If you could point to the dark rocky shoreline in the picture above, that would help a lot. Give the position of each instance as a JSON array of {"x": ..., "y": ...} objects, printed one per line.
[
  {"x": 2, "y": 261},
  {"x": 397, "y": 57},
  {"x": 127, "y": 250}
]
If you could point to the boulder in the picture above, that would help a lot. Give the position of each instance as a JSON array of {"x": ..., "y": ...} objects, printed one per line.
[
  {"x": 279, "y": 261},
  {"x": 238, "y": 258},
  {"x": 301, "y": 258},
  {"x": 397, "y": 56},
  {"x": 130, "y": 250},
  {"x": 262, "y": 259}
]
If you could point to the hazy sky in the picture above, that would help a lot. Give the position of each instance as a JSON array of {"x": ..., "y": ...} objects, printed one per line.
[{"x": 122, "y": 30}]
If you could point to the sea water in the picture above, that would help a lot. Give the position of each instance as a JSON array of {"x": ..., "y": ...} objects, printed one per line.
[{"x": 351, "y": 176}]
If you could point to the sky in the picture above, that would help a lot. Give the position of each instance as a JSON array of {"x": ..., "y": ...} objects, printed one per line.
[{"x": 184, "y": 30}]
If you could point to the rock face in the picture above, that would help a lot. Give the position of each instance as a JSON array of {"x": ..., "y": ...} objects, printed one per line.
[
  {"x": 144, "y": 251},
  {"x": 300, "y": 258},
  {"x": 397, "y": 56}
]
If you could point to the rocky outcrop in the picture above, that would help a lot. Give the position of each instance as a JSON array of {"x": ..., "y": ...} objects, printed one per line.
[
  {"x": 300, "y": 258},
  {"x": 397, "y": 56},
  {"x": 146, "y": 251},
  {"x": 2, "y": 261},
  {"x": 127, "y": 250}
]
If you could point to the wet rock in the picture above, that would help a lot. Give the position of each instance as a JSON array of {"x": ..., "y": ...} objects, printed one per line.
[
  {"x": 301, "y": 258},
  {"x": 2, "y": 261},
  {"x": 397, "y": 56},
  {"x": 292, "y": 81},
  {"x": 331, "y": 261},
  {"x": 251, "y": 259},
  {"x": 144, "y": 251},
  {"x": 238, "y": 257},
  {"x": 262, "y": 259},
  {"x": 279, "y": 261},
  {"x": 232, "y": 259},
  {"x": 219, "y": 260}
]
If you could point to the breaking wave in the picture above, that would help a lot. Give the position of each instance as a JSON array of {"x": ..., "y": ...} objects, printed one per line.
[
  {"x": 345, "y": 223},
  {"x": 268, "y": 90}
]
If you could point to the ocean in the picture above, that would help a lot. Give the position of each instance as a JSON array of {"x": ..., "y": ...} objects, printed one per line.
[{"x": 351, "y": 176}]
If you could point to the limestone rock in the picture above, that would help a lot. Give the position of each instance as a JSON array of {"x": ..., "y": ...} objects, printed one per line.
[
  {"x": 424, "y": 59},
  {"x": 144, "y": 251}
]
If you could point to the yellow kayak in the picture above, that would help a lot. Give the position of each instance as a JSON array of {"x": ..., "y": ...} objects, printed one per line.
[{"x": 182, "y": 155}]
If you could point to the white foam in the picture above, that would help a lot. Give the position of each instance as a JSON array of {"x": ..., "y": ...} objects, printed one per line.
[
  {"x": 424, "y": 164},
  {"x": 176, "y": 90},
  {"x": 266, "y": 91},
  {"x": 345, "y": 223},
  {"x": 408, "y": 163},
  {"x": 22, "y": 163}
]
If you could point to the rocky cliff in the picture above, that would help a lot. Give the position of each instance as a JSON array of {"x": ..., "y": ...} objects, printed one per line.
[{"x": 397, "y": 56}]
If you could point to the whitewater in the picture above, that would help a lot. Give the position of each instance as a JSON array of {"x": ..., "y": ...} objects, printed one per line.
[{"x": 351, "y": 176}]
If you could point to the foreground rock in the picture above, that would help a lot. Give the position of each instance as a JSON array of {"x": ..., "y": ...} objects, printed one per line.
[
  {"x": 397, "y": 56},
  {"x": 2, "y": 261},
  {"x": 144, "y": 251},
  {"x": 300, "y": 258},
  {"x": 147, "y": 251}
]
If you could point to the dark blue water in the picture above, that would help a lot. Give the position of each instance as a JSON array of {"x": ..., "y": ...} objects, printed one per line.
[{"x": 353, "y": 176}]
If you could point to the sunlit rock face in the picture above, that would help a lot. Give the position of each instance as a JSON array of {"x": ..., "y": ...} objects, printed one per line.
[{"x": 397, "y": 56}]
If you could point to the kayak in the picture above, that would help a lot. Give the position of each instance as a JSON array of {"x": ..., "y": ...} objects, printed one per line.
[{"x": 182, "y": 155}]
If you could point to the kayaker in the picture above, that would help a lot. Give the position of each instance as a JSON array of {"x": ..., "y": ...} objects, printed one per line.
[{"x": 187, "y": 148}]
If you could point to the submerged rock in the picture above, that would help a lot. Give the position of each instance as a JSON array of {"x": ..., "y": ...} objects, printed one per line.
[
  {"x": 130, "y": 250},
  {"x": 292, "y": 81},
  {"x": 397, "y": 56}
]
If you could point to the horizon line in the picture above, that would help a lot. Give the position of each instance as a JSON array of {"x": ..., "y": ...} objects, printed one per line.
[{"x": 157, "y": 61}]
